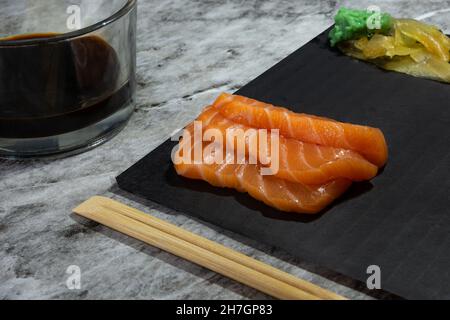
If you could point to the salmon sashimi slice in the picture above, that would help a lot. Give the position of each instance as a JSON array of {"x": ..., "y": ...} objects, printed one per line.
[
  {"x": 297, "y": 161},
  {"x": 367, "y": 141},
  {"x": 275, "y": 192}
]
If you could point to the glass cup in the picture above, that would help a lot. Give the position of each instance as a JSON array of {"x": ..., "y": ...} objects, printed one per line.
[{"x": 67, "y": 74}]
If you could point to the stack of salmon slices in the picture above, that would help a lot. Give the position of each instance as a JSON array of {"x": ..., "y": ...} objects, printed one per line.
[{"x": 293, "y": 162}]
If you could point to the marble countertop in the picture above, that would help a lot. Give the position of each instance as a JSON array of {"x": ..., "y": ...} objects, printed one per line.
[{"x": 188, "y": 52}]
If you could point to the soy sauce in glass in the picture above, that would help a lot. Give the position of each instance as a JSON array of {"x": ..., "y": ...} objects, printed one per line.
[{"x": 58, "y": 87}]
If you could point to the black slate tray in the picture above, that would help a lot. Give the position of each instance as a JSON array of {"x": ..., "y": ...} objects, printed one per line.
[{"x": 400, "y": 221}]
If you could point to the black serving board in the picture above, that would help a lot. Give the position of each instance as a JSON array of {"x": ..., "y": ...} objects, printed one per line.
[{"x": 400, "y": 221}]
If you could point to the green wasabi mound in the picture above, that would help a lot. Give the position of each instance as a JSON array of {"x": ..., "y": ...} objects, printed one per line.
[{"x": 353, "y": 24}]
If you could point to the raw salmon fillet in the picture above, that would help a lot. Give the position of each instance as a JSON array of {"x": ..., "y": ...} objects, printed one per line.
[
  {"x": 298, "y": 161},
  {"x": 275, "y": 192},
  {"x": 367, "y": 141}
]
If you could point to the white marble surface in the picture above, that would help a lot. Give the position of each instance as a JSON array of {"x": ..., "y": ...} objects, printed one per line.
[{"x": 188, "y": 52}]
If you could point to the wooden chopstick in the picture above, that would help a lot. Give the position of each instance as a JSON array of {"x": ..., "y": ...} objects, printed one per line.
[{"x": 200, "y": 250}]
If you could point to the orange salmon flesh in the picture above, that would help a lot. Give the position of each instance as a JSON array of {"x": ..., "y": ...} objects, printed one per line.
[{"x": 318, "y": 158}]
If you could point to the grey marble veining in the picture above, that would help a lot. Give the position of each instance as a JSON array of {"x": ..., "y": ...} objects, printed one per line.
[{"x": 188, "y": 52}]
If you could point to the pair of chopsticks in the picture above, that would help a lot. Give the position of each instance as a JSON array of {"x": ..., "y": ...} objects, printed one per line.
[{"x": 201, "y": 251}]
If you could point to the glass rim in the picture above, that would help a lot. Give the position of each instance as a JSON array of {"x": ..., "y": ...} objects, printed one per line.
[{"x": 128, "y": 6}]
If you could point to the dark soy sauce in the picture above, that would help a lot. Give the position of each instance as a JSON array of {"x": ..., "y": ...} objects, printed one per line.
[{"x": 53, "y": 88}]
